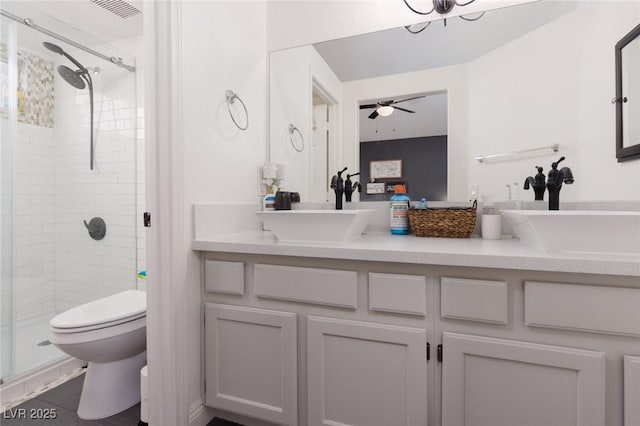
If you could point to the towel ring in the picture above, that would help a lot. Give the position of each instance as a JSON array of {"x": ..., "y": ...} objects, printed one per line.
[
  {"x": 292, "y": 129},
  {"x": 231, "y": 98}
]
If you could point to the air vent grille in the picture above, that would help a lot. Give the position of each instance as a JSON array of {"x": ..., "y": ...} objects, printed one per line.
[{"x": 118, "y": 7}]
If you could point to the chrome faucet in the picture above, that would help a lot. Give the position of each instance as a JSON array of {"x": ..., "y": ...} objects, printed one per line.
[
  {"x": 337, "y": 184},
  {"x": 536, "y": 183},
  {"x": 350, "y": 188},
  {"x": 555, "y": 179}
]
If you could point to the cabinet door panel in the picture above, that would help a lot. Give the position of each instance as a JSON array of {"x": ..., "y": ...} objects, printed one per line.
[
  {"x": 250, "y": 362},
  {"x": 631, "y": 390},
  {"x": 366, "y": 374},
  {"x": 496, "y": 382}
]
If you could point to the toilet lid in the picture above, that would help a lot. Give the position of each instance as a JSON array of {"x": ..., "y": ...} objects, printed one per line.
[{"x": 128, "y": 304}]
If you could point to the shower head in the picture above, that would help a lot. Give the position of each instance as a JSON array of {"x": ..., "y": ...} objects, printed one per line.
[
  {"x": 53, "y": 47},
  {"x": 57, "y": 49},
  {"x": 77, "y": 79},
  {"x": 72, "y": 77}
]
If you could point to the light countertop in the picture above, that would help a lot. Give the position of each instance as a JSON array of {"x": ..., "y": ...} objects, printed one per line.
[{"x": 506, "y": 253}]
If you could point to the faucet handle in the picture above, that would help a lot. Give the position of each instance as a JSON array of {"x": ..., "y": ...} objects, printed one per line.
[{"x": 555, "y": 164}]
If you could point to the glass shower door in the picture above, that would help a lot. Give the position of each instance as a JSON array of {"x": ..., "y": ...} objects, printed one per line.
[
  {"x": 49, "y": 261},
  {"x": 8, "y": 86}
]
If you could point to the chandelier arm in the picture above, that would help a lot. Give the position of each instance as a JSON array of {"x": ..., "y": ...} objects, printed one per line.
[
  {"x": 464, "y": 4},
  {"x": 472, "y": 19},
  {"x": 419, "y": 12},
  {"x": 408, "y": 28}
]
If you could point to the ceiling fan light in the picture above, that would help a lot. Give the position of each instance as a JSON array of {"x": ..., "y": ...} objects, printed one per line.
[{"x": 385, "y": 111}]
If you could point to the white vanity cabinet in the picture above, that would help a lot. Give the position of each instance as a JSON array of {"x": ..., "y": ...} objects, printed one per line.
[{"x": 317, "y": 341}]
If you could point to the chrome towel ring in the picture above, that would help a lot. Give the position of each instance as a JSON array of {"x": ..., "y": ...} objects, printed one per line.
[
  {"x": 293, "y": 129},
  {"x": 231, "y": 98}
]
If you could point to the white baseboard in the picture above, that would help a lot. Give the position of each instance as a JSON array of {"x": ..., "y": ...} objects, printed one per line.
[{"x": 199, "y": 415}]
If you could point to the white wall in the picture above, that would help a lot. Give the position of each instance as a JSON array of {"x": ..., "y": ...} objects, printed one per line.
[
  {"x": 452, "y": 80},
  {"x": 568, "y": 85},
  {"x": 223, "y": 47}
]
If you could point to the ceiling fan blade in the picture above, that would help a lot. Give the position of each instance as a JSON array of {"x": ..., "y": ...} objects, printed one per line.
[
  {"x": 409, "y": 99},
  {"x": 402, "y": 109},
  {"x": 368, "y": 106},
  {"x": 373, "y": 115}
]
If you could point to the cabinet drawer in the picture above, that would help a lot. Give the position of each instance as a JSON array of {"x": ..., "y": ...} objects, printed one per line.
[
  {"x": 474, "y": 300},
  {"x": 224, "y": 277},
  {"x": 596, "y": 309},
  {"x": 404, "y": 294},
  {"x": 319, "y": 286}
]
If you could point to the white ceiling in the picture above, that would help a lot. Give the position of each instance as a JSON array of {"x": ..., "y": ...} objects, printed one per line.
[
  {"x": 79, "y": 20},
  {"x": 397, "y": 50}
]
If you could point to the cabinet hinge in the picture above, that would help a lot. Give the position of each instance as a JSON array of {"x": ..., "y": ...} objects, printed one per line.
[
  {"x": 428, "y": 351},
  {"x": 146, "y": 219},
  {"x": 440, "y": 353}
]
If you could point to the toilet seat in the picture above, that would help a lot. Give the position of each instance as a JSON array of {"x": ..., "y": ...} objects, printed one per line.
[
  {"x": 77, "y": 336},
  {"x": 102, "y": 313}
]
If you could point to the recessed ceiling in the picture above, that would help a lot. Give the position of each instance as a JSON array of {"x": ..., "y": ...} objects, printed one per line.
[{"x": 398, "y": 51}]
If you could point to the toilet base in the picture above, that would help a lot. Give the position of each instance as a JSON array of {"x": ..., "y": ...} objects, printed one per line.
[{"x": 111, "y": 387}]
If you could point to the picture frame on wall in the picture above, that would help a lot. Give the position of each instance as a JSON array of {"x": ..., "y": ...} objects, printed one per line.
[{"x": 385, "y": 169}]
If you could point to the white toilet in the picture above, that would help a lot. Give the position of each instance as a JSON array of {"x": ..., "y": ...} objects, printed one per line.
[{"x": 110, "y": 334}]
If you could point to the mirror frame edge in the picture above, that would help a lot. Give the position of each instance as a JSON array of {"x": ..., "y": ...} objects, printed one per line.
[{"x": 631, "y": 152}]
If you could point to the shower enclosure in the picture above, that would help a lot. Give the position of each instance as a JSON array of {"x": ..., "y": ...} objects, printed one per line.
[{"x": 68, "y": 155}]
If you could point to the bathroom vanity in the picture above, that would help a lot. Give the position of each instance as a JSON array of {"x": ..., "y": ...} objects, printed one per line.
[{"x": 400, "y": 330}]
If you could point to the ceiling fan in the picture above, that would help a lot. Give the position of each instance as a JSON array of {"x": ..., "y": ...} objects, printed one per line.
[{"x": 385, "y": 108}]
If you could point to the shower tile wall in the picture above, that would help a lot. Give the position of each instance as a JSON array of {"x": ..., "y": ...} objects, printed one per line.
[
  {"x": 88, "y": 269},
  {"x": 33, "y": 221}
]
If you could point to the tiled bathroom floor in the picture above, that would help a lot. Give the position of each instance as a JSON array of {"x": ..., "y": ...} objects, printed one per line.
[{"x": 62, "y": 402}]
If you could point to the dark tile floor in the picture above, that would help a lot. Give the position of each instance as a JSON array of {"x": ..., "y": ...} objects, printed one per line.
[
  {"x": 62, "y": 402},
  {"x": 221, "y": 422}
]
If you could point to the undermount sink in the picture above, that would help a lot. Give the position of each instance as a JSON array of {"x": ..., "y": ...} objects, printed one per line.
[
  {"x": 337, "y": 226},
  {"x": 595, "y": 232}
]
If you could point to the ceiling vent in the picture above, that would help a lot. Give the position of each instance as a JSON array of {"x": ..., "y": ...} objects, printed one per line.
[{"x": 118, "y": 7}]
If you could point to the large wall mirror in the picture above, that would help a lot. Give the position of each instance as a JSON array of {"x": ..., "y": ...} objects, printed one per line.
[
  {"x": 518, "y": 79},
  {"x": 627, "y": 98}
]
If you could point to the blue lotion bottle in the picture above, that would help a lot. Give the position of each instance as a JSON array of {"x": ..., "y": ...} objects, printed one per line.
[{"x": 399, "y": 211}]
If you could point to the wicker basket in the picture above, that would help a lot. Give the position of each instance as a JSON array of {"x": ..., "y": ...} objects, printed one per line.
[{"x": 447, "y": 222}]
